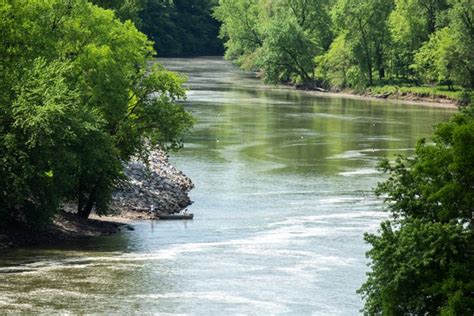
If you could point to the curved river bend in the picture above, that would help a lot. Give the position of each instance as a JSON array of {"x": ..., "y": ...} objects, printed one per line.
[{"x": 282, "y": 199}]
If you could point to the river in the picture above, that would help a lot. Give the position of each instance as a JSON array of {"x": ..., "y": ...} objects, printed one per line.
[{"x": 283, "y": 197}]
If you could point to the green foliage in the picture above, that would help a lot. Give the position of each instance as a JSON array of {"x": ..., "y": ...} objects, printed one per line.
[
  {"x": 77, "y": 101},
  {"x": 279, "y": 38},
  {"x": 286, "y": 53},
  {"x": 411, "y": 23},
  {"x": 461, "y": 18},
  {"x": 241, "y": 29},
  {"x": 448, "y": 55},
  {"x": 177, "y": 27},
  {"x": 37, "y": 143},
  {"x": 334, "y": 66},
  {"x": 368, "y": 33},
  {"x": 435, "y": 60},
  {"x": 422, "y": 258},
  {"x": 352, "y": 44},
  {"x": 124, "y": 9},
  {"x": 455, "y": 93}
]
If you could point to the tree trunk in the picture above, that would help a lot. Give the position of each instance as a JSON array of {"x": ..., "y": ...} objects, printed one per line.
[
  {"x": 381, "y": 72},
  {"x": 368, "y": 56},
  {"x": 369, "y": 70},
  {"x": 85, "y": 212}
]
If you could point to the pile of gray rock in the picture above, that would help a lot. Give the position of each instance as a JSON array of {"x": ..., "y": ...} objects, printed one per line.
[{"x": 152, "y": 189}]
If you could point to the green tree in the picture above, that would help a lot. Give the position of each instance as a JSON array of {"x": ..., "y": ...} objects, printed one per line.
[
  {"x": 112, "y": 103},
  {"x": 364, "y": 22},
  {"x": 124, "y": 9},
  {"x": 447, "y": 56},
  {"x": 42, "y": 143},
  {"x": 435, "y": 60},
  {"x": 182, "y": 27},
  {"x": 337, "y": 65},
  {"x": 295, "y": 33},
  {"x": 242, "y": 29},
  {"x": 279, "y": 38},
  {"x": 411, "y": 23},
  {"x": 461, "y": 18},
  {"x": 422, "y": 258},
  {"x": 177, "y": 27}
]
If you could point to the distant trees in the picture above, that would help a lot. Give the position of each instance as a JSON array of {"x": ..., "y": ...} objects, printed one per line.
[
  {"x": 422, "y": 260},
  {"x": 242, "y": 29},
  {"x": 279, "y": 38},
  {"x": 351, "y": 43},
  {"x": 77, "y": 100},
  {"x": 368, "y": 33},
  {"x": 177, "y": 27},
  {"x": 449, "y": 53}
]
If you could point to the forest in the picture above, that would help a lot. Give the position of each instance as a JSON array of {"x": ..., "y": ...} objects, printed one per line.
[{"x": 400, "y": 44}]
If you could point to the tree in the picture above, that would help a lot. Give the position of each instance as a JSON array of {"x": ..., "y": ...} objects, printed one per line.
[
  {"x": 124, "y": 9},
  {"x": 177, "y": 27},
  {"x": 422, "y": 259},
  {"x": 411, "y": 23},
  {"x": 40, "y": 144},
  {"x": 447, "y": 56},
  {"x": 295, "y": 33},
  {"x": 280, "y": 38},
  {"x": 108, "y": 103},
  {"x": 364, "y": 22},
  {"x": 241, "y": 29},
  {"x": 182, "y": 27},
  {"x": 286, "y": 55},
  {"x": 461, "y": 18},
  {"x": 337, "y": 66},
  {"x": 434, "y": 62}
]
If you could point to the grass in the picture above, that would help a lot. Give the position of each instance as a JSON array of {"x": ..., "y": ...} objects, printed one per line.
[{"x": 435, "y": 92}]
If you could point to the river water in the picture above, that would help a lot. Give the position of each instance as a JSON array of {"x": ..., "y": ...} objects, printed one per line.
[{"x": 282, "y": 200}]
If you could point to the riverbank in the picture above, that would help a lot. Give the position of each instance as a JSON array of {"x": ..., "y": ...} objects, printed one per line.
[
  {"x": 153, "y": 188},
  {"x": 405, "y": 99},
  {"x": 65, "y": 226},
  {"x": 390, "y": 93}
]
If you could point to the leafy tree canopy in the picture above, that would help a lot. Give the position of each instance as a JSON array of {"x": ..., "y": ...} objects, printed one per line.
[
  {"x": 77, "y": 99},
  {"x": 422, "y": 258}
]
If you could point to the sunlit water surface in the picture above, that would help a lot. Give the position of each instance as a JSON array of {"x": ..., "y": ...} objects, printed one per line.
[{"x": 283, "y": 196}]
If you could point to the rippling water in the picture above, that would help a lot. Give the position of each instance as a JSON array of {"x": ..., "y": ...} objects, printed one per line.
[{"x": 283, "y": 197}]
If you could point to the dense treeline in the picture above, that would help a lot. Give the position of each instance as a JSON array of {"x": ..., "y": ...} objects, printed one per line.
[
  {"x": 77, "y": 100},
  {"x": 352, "y": 43},
  {"x": 179, "y": 28}
]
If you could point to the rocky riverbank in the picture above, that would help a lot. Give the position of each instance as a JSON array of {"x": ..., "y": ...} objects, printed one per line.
[{"x": 153, "y": 188}]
